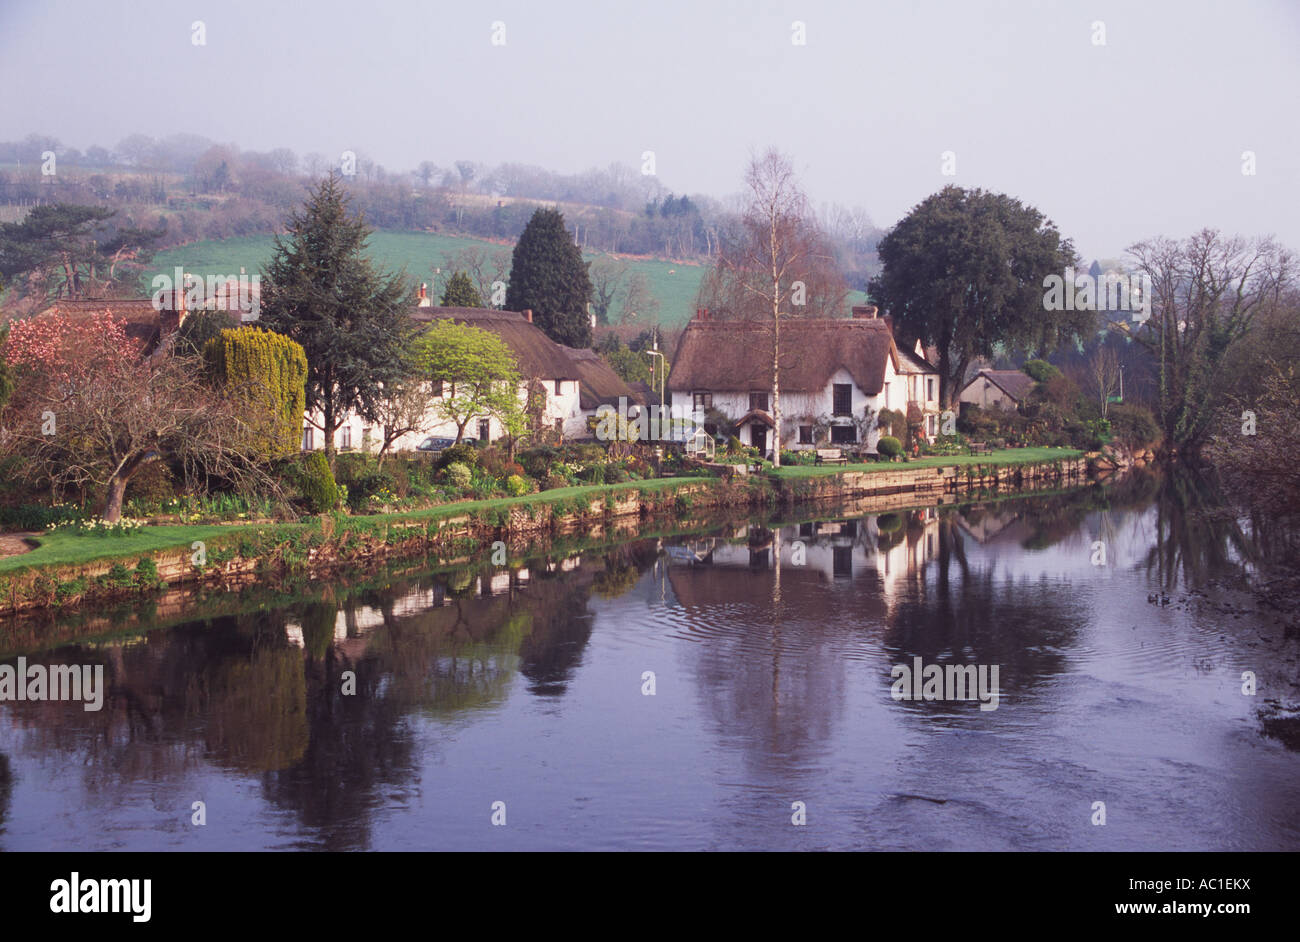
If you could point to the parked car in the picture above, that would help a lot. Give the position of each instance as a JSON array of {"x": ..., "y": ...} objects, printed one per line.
[{"x": 435, "y": 444}]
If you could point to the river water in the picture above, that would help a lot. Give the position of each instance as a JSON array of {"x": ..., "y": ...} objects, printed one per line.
[{"x": 699, "y": 691}]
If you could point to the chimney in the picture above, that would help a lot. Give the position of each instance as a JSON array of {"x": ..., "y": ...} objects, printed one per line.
[
  {"x": 865, "y": 312},
  {"x": 528, "y": 314},
  {"x": 701, "y": 314},
  {"x": 172, "y": 315}
]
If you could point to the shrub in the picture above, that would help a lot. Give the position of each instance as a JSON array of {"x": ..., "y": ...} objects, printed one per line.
[
  {"x": 463, "y": 453},
  {"x": 517, "y": 485},
  {"x": 537, "y": 462},
  {"x": 267, "y": 371},
  {"x": 316, "y": 483},
  {"x": 889, "y": 446},
  {"x": 888, "y": 523},
  {"x": 1134, "y": 425},
  {"x": 1040, "y": 370},
  {"x": 458, "y": 474},
  {"x": 38, "y": 516},
  {"x": 892, "y": 421},
  {"x": 555, "y": 480}
]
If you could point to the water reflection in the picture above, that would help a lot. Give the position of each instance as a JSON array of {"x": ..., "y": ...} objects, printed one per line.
[{"x": 338, "y": 708}]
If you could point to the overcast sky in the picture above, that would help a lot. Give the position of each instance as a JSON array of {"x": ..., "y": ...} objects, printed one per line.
[{"x": 1141, "y": 136}]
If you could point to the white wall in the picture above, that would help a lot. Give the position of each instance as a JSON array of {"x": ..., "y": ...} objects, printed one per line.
[{"x": 562, "y": 407}]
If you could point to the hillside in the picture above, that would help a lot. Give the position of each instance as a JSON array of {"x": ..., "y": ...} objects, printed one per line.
[{"x": 673, "y": 284}]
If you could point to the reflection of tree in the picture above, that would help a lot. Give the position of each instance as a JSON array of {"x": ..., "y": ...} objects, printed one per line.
[
  {"x": 1195, "y": 541},
  {"x": 257, "y": 710}
]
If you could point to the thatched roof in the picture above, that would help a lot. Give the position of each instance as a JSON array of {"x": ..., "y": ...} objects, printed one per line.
[
  {"x": 598, "y": 384},
  {"x": 1014, "y": 383},
  {"x": 143, "y": 323},
  {"x": 737, "y": 356},
  {"x": 538, "y": 355}
]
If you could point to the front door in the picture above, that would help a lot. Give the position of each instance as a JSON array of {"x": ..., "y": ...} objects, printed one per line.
[{"x": 758, "y": 435}]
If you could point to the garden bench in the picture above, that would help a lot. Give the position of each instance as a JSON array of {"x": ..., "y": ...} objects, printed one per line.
[
  {"x": 979, "y": 448},
  {"x": 830, "y": 456}
]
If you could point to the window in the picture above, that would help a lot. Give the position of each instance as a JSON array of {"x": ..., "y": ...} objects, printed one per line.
[
  {"x": 366, "y": 435},
  {"x": 806, "y": 529},
  {"x": 843, "y": 435},
  {"x": 345, "y": 438},
  {"x": 704, "y": 400},
  {"x": 758, "y": 400},
  {"x": 932, "y": 424},
  {"x": 306, "y": 439},
  {"x": 559, "y": 387},
  {"x": 435, "y": 387},
  {"x": 805, "y": 435},
  {"x": 929, "y": 389},
  {"x": 842, "y": 560},
  {"x": 485, "y": 430},
  {"x": 842, "y": 399}
]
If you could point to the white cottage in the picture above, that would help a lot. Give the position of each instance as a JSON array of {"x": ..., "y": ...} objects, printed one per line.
[
  {"x": 836, "y": 375},
  {"x": 574, "y": 383}
]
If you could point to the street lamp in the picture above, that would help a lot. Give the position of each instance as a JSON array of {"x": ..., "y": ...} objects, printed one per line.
[{"x": 663, "y": 377}]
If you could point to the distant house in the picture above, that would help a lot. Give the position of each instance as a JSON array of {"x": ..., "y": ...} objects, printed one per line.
[
  {"x": 836, "y": 375},
  {"x": 1002, "y": 389}
]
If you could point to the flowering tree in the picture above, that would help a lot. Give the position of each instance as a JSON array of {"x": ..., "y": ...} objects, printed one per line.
[{"x": 89, "y": 411}]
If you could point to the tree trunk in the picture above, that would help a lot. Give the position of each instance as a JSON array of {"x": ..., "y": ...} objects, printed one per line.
[
  {"x": 117, "y": 486},
  {"x": 113, "y": 505}
]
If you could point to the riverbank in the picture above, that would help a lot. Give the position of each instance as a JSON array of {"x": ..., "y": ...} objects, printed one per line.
[{"x": 69, "y": 568}]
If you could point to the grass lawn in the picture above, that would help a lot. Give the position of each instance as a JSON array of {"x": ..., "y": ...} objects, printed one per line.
[
  {"x": 1006, "y": 456},
  {"x": 70, "y": 549},
  {"x": 65, "y": 548}
]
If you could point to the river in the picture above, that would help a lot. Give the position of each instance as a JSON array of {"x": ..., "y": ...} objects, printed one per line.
[{"x": 698, "y": 691}]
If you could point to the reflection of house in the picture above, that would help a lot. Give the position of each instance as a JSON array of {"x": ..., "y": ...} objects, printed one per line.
[
  {"x": 1004, "y": 389},
  {"x": 891, "y": 547},
  {"x": 836, "y": 375}
]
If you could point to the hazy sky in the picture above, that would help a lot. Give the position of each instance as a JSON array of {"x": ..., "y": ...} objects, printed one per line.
[{"x": 1139, "y": 137}]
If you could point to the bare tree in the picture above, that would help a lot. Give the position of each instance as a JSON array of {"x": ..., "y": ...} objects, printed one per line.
[
  {"x": 95, "y": 416},
  {"x": 1205, "y": 293},
  {"x": 484, "y": 265},
  {"x": 607, "y": 274},
  {"x": 1103, "y": 374},
  {"x": 774, "y": 264},
  {"x": 400, "y": 410}
]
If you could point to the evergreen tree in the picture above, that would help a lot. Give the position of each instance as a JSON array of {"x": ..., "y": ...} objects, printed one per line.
[
  {"x": 964, "y": 272},
  {"x": 548, "y": 276},
  {"x": 460, "y": 292},
  {"x": 352, "y": 320}
]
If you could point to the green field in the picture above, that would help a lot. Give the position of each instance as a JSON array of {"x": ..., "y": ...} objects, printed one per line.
[{"x": 673, "y": 285}]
